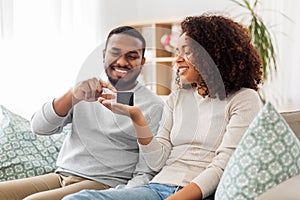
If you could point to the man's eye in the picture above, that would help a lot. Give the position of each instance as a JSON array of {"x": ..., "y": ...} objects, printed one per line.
[{"x": 132, "y": 57}]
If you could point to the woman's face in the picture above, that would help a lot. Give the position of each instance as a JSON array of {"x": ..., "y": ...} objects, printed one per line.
[{"x": 184, "y": 58}]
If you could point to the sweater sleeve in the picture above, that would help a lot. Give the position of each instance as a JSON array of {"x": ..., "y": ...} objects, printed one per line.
[
  {"x": 158, "y": 150},
  {"x": 143, "y": 174},
  {"x": 46, "y": 122},
  {"x": 242, "y": 109}
]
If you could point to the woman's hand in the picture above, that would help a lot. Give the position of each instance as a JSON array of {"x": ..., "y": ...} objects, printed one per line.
[
  {"x": 121, "y": 109},
  {"x": 189, "y": 192},
  {"x": 140, "y": 123}
]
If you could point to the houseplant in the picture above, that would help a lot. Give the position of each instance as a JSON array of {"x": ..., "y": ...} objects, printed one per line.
[
  {"x": 260, "y": 35},
  {"x": 261, "y": 38}
]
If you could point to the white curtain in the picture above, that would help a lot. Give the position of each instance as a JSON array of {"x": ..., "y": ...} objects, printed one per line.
[
  {"x": 282, "y": 17},
  {"x": 43, "y": 44},
  {"x": 292, "y": 57},
  {"x": 6, "y": 18}
]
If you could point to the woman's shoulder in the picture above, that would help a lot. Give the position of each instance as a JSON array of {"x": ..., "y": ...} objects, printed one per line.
[
  {"x": 245, "y": 95},
  {"x": 177, "y": 95},
  {"x": 181, "y": 92}
]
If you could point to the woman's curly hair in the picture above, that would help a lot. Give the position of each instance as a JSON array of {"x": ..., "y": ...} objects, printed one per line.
[{"x": 223, "y": 54}]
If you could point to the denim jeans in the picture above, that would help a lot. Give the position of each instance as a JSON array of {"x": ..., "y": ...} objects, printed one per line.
[
  {"x": 211, "y": 197},
  {"x": 148, "y": 192},
  {"x": 152, "y": 191}
]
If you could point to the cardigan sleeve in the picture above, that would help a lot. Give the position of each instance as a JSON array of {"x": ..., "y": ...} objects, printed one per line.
[{"x": 158, "y": 150}]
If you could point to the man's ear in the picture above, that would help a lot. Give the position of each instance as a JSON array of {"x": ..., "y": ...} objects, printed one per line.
[
  {"x": 143, "y": 61},
  {"x": 103, "y": 54}
]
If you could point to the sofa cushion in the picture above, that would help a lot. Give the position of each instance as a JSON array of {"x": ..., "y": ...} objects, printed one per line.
[
  {"x": 268, "y": 154},
  {"x": 288, "y": 189},
  {"x": 22, "y": 153}
]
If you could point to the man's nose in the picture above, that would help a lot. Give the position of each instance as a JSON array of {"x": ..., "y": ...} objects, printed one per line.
[{"x": 122, "y": 61}]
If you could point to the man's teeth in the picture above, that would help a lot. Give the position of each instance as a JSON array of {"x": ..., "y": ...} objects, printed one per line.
[
  {"x": 181, "y": 70},
  {"x": 121, "y": 71}
]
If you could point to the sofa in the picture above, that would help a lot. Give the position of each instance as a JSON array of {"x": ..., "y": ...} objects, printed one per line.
[{"x": 24, "y": 154}]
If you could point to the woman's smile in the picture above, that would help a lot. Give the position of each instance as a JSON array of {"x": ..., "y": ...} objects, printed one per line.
[{"x": 182, "y": 69}]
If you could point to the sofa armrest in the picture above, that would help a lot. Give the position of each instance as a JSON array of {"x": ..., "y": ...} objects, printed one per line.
[
  {"x": 293, "y": 120},
  {"x": 288, "y": 189}
]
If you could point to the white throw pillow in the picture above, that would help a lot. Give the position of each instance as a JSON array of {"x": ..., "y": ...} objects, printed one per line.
[{"x": 268, "y": 154}]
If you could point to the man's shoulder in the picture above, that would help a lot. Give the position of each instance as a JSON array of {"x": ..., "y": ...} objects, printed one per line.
[
  {"x": 146, "y": 97},
  {"x": 146, "y": 92}
]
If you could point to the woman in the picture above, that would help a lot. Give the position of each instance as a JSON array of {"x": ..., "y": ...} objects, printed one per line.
[{"x": 218, "y": 71}]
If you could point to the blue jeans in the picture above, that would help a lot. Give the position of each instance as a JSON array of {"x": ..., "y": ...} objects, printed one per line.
[{"x": 152, "y": 191}]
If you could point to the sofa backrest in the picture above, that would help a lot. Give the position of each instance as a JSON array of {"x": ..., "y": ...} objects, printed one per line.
[{"x": 293, "y": 119}]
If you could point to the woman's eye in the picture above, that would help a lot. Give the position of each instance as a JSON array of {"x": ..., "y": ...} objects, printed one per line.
[{"x": 177, "y": 53}]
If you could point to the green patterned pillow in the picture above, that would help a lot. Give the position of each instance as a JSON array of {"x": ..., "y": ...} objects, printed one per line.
[
  {"x": 268, "y": 154},
  {"x": 22, "y": 153}
]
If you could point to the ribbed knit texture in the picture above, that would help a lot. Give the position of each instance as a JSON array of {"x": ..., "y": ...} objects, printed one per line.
[
  {"x": 102, "y": 145},
  {"x": 198, "y": 135}
]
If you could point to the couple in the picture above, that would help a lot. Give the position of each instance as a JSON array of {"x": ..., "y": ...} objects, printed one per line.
[{"x": 218, "y": 73}]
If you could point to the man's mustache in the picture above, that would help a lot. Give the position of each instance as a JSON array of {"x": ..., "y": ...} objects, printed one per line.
[{"x": 122, "y": 67}]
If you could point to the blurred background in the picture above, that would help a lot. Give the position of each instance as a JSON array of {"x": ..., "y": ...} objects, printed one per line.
[{"x": 44, "y": 44}]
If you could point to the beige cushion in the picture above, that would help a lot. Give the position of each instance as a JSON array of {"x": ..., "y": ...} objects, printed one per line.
[
  {"x": 287, "y": 190},
  {"x": 293, "y": 119}
]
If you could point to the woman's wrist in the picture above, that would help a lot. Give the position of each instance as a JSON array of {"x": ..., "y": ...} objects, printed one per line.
[
  {"x": 189, "y": 192},
  {"x": 144, "y": 134},
  {"x": 137, "y": 116}
]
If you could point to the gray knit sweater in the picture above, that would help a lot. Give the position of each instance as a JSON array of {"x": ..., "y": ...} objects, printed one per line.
[{"x": 102, "y": 146}]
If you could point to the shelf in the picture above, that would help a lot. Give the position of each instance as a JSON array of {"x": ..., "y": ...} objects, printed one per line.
[
  {"x": 162, "y": 59},
  {"x": 159, "y": 70}
]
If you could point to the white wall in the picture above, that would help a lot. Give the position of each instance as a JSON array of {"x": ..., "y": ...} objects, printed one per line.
[
  {"x": 119, "y": 11},
  {"x": 41, "y": 58}
]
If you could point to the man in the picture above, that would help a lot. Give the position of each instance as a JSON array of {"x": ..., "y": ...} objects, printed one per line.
[{"x": 101, "y": 151}]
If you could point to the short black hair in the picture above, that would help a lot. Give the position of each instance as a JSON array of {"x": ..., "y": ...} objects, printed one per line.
[{"x": 128, "y": 30}]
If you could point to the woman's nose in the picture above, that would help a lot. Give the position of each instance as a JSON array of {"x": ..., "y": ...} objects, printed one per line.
[{"x": 179, "y": 58}]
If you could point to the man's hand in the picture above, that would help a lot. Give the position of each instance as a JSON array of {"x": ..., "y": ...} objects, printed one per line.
[{"x": 91, "y": 89}]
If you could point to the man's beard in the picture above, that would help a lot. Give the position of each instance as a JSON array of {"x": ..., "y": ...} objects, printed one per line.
[{"x": 122, "y": 82}]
